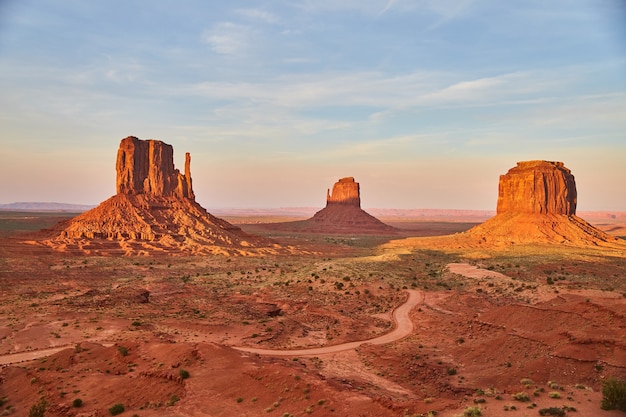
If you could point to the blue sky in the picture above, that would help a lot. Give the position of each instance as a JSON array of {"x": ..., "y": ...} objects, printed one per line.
[{"x": 424, "y": 102}]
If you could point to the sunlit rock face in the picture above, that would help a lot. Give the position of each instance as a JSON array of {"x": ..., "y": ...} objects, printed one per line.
[
  {"x": 537, "y": 187},
  {"x": 346, "y": 192},
  {"x": 147, "y": 167}
]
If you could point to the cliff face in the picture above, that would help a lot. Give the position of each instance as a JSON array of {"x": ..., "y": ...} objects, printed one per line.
[
  {"x": 345, "y": 192},
  {"x": 147, "y": 167},
  {"x": 537, "y": 187}
]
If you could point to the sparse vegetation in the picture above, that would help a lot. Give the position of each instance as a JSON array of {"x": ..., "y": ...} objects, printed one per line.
[
  {"x": 116, "y": 409},
  {"x": 521, "y": 396},
  {"x": 614, "y": 394},
  {"x": 184, "y": 374},
  {"x": 39, "y": 408},
  {"x": 77, "y": 403},
  {"x": 552, "y": 411},
  {"x": 472, "y": 412}
]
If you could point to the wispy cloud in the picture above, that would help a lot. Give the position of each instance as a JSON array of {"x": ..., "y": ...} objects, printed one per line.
[
  {"x": 258, "y": 15},
  {"x": 227, "y": 38}
]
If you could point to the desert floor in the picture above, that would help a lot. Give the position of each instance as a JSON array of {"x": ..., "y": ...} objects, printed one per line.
[{"x": 232, "y": 336}]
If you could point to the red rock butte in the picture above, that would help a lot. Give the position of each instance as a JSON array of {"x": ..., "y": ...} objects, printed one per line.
[
  {"x": 346, "y": 192},
  {"x": 342, "y": 214},
  {"x": 537, "y": 204},
  {"x": 153, "y": 211},
  {"x": 147, "y": 167},
  {"x": 539, "y": 187}
]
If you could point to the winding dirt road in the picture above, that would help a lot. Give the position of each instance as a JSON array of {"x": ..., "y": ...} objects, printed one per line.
[
  {"x": 402, "y": 323},
  {"x": 403, "y": 326}
]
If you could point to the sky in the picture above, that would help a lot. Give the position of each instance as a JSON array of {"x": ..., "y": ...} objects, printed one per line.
[{"x": 424, "y": 102}]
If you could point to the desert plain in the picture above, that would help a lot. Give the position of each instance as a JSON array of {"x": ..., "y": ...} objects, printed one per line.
[
  {"x": 148, "y": 305},
  {"x": 545, "y": 320}
]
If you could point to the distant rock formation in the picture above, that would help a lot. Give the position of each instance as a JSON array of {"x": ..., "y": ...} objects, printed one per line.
[
  {"x": 154, "y": 210},
  {"x": 537, "y": 187},
  {"x": 537, "y": 204},
  {"x": 342, "y": 215},
  {"x": 346, "y": 192}
]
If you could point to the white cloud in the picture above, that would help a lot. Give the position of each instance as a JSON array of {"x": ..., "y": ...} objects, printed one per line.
[{"x": 227, "y": 38}]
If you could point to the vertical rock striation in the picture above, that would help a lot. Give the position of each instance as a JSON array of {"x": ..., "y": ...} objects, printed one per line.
[
  {"x": 147, "y": 167},
  {"x": 537, "y": 187}
]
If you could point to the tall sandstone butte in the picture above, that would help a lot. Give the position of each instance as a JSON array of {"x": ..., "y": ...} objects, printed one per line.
[
  {"x": 346, "y": 191},
  {"x": 154, "y": 210},
  {"x": 539, "y": 187},
  {"x": 147, "y": 166},
  {"x": 537, "y": 204}
]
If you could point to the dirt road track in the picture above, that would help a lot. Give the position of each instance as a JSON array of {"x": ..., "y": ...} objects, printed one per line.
[
  {"x": 402, "y": 323},
  {"x": 403, "y": 326}
]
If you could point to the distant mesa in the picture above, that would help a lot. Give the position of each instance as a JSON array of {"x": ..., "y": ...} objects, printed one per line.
[
  {"x": 154, "y": 210},
  {"x": 537, "y": 204},
  {"x": 342, "y": 214}
]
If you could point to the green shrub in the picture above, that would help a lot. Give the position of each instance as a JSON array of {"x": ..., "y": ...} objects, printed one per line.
[
  {"x": 123, "y": 350},
  {"x": 472, "y": 412},
  {"x": 184, "y": 374},
  {"x": 614, "y": 394},
  {"x": 38, "y": 409},
  {"x": 77, "y": 403},
  {"x": 116, "y": 409},
  {"x": 521, "y": 396},
  {"x": 552, "y": 411}
]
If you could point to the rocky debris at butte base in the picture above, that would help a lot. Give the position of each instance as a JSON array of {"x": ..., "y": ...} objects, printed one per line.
[
  {"x": 153, "y": 211},
  {"x": 537, "y": 204},
  {"x": 342, "y": 214}
]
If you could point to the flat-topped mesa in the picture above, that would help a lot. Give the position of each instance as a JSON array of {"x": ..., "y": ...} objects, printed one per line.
[
  {"x": 147, "y": 167},
  {"x": 537, "y": 187},
  {"x": 345, "y": 192}
]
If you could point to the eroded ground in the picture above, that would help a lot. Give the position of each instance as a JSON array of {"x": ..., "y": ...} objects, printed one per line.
[{"x": 549, "y": 323}]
